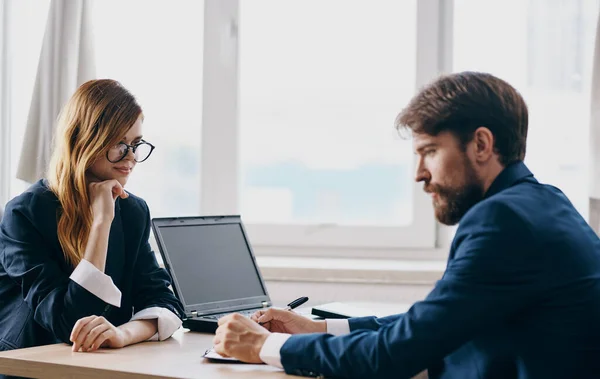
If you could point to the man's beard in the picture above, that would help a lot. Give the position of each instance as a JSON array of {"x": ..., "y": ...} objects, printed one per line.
[{"x": 453, "y": 203}]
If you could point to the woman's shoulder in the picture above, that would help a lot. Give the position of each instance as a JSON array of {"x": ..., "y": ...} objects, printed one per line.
[
  {"x": 38, "y": 204},
  {"x": 38, "y": 195},
  {"x": 133, "y": 203}
]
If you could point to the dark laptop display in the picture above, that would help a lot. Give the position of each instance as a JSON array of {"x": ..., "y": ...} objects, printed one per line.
[{"x": 213, "y": 267}]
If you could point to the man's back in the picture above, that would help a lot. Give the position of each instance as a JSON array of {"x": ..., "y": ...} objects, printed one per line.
[
  {"x": 520, "y": 298},
  {"x": 554, "y": 277}
]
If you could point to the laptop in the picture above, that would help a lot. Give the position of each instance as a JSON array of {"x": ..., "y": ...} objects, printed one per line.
[{"x": 213, "y": 268}]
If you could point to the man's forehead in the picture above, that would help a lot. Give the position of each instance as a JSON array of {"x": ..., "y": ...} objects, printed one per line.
[{"x": 421, "y": 140}]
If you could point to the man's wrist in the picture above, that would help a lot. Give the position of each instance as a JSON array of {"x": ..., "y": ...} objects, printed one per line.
[
  {"x": 270, "y": 351},
  {"x": 320, "y": 326},
  {"x": 260, "y": 343}
]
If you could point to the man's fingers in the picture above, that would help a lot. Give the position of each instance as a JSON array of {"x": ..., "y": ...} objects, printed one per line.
[
  {"x": 220, "y": 348},
  {"x": 266, "y": 317},
  {"x": 223, "y": 320},
  {"x": 231, "y": 317},
  {"x": 256, "y": 315},
  {"x": 267, "y": 325}
]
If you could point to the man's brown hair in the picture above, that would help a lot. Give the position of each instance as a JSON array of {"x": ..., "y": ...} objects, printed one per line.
[{"x": 460, "y": 103}]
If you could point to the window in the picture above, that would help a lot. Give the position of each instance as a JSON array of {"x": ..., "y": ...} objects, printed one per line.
[
  {"x": 154, "y": 48},
  {"x": 547, "y": 54},
  {"x": 320, "y": 163},
  {"x": 317, "y": 106},
  {"x": 283, "y": 110}
]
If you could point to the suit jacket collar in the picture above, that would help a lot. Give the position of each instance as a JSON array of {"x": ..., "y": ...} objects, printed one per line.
[{"x": 512, "y": 174}]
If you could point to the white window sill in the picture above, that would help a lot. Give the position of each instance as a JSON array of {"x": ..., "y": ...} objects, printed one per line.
[{"x": 340, "y": 270}]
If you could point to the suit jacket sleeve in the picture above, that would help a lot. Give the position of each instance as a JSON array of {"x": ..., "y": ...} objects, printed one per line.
[
  {"x": 371, "y": 322},
  {"x": 151, "y": 282},
  {"x": 491, "y": 277},
  {"x": 57, "y": 302}
]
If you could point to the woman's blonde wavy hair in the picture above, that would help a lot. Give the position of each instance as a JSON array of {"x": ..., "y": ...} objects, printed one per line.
[{"x": 96, "y": 118}]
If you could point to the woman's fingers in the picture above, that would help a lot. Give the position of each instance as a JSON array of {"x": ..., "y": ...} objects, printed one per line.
[
  {"x": 79, "y": 325},
  {"x": 85, "y": 330},
  {"x": 101, "y": 339},
  {"x": 93, "y": 334}
]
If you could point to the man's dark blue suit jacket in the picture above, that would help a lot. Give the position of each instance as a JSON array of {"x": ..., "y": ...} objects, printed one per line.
[
  {"x": 520, "y": 298},
  {"x": 39, "y": 304}
]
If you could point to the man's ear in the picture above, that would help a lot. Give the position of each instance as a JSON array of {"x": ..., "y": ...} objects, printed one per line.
[{"x": 484, "y": 144}]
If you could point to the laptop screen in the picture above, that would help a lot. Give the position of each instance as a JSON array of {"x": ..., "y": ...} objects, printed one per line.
[{"x": 211, "y": 262}]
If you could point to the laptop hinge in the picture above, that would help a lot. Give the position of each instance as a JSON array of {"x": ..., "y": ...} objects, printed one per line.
[
  {"x": 265, "y": 304},
  {"x": 192, "y": 314}
]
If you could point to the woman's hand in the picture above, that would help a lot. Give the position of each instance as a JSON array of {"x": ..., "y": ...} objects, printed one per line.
[
  {"x": 92, "y": 332},
  {"x": 102, "y": 199}
]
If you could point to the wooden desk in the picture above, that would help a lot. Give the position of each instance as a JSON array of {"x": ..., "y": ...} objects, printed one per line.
[{"x": 177, "y": 357}]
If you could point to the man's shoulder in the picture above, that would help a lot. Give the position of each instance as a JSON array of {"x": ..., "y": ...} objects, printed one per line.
[
  {"x": 500, "y": 208},
  {"x": 507, "y": 214},
  {"x": 515, "y": 203},
  {"x": 522, "y": 211}
]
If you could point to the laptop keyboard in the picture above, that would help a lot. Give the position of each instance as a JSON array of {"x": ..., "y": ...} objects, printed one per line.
[{"x": 219, "y": 315}]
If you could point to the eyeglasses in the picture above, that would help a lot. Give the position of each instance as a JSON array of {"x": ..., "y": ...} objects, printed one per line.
[{"x": 141, "y": 151}]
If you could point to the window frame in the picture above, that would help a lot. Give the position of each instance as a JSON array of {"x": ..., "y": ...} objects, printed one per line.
[{"x": 220, "y": 166}]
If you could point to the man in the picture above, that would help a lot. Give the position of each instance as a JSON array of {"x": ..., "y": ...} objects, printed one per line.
[{"x": 520, "y": 297}]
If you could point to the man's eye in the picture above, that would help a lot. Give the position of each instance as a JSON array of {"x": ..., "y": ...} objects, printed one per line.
[{"x": 429, "y": 152}]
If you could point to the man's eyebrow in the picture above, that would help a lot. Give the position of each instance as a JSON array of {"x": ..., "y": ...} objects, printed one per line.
[{"x": 421, "y": 148}]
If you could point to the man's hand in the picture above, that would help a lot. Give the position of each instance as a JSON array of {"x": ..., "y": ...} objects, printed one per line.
[
  {"x": 240, "y": 337},
  {"x": 92, "y": 332},
  {"x": 284, "y": 321}
]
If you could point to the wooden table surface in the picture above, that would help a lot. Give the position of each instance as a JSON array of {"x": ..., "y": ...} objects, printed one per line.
[{"x": 176, "y": 357}]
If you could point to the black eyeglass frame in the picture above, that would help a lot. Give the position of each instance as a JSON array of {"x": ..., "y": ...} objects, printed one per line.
[{"x": 133, "y": 148}]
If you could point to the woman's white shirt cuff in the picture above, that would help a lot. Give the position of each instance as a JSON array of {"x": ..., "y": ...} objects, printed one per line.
[
  {"x": 98, "y": 283},
  {"x": 168, "y": 322}
]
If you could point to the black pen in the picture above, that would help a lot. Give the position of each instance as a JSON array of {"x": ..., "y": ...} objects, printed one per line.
[{"x": 296, "y": 303}]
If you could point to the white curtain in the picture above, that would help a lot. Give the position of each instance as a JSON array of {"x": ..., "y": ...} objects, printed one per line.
[
  {"x": 66, "y": 61},
  {"x": 5, "y": 106},
  {"x": 595, "y": 138}
]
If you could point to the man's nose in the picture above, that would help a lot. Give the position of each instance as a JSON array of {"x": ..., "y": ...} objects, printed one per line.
[{"x": 421, "y": 173}]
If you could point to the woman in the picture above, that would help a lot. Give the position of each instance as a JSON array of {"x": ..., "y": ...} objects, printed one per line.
[{"x": 75, "y": 262}]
